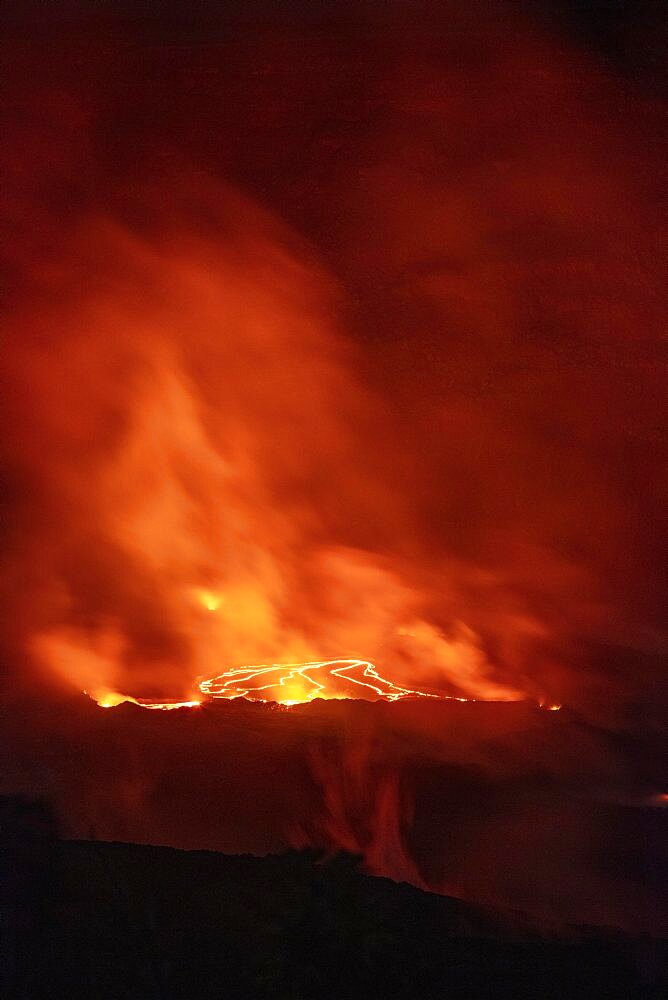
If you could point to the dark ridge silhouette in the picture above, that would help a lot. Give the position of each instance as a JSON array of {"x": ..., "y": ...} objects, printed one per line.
[
  {"x": 505, "y": 805},
  {"x": 108, "y": 920}
]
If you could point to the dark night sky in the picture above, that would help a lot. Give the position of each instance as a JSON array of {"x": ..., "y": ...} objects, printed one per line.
[{"x": 629, "y": 33}]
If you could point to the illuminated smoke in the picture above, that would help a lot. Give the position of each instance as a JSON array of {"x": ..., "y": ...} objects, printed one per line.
[
  {"x": 364, "y": 811},
  {"x": 398, "y": 401}
]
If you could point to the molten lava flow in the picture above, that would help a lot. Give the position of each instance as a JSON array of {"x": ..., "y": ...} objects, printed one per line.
[{"x": 292, "y": 683}]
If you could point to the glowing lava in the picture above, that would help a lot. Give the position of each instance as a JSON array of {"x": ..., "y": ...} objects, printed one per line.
[
  {"x": 286, "y": 684},
  {"x": 110, "y": 699},
  {"x": 292, "y": 683}
]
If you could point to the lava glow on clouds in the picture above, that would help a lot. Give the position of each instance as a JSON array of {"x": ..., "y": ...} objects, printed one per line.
[{"x": 375, "y": 378}]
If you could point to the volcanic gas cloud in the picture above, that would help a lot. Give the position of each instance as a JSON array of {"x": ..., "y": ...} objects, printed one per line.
[
  {"x": 205, "y": 460},
  {"x": 398, "y": 402}
]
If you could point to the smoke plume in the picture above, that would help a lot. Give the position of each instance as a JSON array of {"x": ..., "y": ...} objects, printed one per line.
[{"x": 337, "y": 343}]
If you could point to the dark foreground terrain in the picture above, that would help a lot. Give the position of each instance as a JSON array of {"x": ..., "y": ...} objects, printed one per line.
[
  {"x": 504, "y": 805},
  {"x": 107, "y": 920}
]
